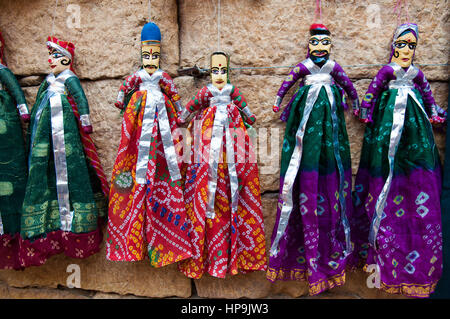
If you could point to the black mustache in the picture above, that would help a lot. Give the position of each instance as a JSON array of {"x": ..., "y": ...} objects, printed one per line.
[{"x": 150, "y": 66}]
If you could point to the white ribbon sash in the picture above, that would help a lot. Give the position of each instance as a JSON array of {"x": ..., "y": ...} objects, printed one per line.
[
  {"x": 404, "y": 85},
  {"x": 221, "y": 99},
  {"x": 55, "y": 91},
  {"x": 319, "y": 77},
  {"x": 155, "y": 102}
]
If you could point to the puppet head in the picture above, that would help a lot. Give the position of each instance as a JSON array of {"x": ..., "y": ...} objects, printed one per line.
[
  {"x": 319, "y": 46},
  {"x": 404, "y": 44},
  {"x": 150, "y": 47},
  {"x": 220, "y": 69},
  {"x": 2, "y": 49},
  {"x": 60, "y": 55}
]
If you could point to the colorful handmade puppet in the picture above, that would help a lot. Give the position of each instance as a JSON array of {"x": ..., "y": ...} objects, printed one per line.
[
  {"x": 222, "y": 189},
  {"x": 13, "y": 169},
  {"x": 398, "y": 183},
  {"x": 67, "y": 189},
  {"x": 146, "y": 208},
  {"x": 311, "y": 237}
]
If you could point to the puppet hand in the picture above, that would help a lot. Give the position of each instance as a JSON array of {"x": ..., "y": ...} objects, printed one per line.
[
  {"x": 180, "y": 120},
  {"x": 356, "y": 113},
  {"x": 119, "y": 105},
  {"x": 365, "y": 115},
  {"x": 25, "y": 117},
  {"x": 354, "y": 104},
  {"x": 87, "y": 129},
  {"x": 366, "y": 120},
  {"x": 251, "y": 119},
  {"x": 276, "y": 105},
  {"x": 440, "y": 111},
  {"x": 437, "y": 119}
]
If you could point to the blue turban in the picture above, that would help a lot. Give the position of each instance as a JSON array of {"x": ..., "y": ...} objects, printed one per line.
[{"x": 150, "y": 34}]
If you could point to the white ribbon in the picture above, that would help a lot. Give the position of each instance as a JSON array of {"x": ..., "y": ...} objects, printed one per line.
[
  {"x": 55, "y": 91},
  {"x": 319, "y": 77},
  {"x": 221, "y": 99},
  {"x": 404, "y": 85},
  {"x": 155, "y": 102}
]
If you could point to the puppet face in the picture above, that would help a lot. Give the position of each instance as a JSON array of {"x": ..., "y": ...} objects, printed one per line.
[
  {"x": 404, "y": 48},
  {"x": 319, "y": 47},
  {"x": 219, "y": 71},
  {"x": 150, "y": 57},
  {"x": 57, "y": 61}
]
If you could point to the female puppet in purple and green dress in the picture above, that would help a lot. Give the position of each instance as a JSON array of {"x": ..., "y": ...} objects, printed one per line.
[
  {"x": 398, "y": 183},
  {"x": 311, "y": 238},
  {"x": 13, "y": 168}
]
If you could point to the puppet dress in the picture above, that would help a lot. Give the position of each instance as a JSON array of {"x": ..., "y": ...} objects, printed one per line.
[
  {"x": 66, "y": 190},
  {"x": 13, "y": 167},
  {"x": 146, "y": 209},
  {"x": 311, "y": 238},
  {"x": 398, "y": 183},
  {"x": 222, "y": 189}
]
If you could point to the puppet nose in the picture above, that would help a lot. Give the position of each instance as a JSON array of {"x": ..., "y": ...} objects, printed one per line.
[{"x": 50, "y": 61}]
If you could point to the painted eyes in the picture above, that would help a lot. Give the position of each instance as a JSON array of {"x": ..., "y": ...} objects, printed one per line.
[
  {"x": 154, "y": 56},
  {"x": 316, "y": 41},
  {"x": 400, "y": 45},
  {"x": 217, "y": 71},
  {"x": 56, "y": 55}
]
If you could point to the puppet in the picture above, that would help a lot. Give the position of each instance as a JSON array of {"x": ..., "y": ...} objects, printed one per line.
[
  {"x": 66, "y": 192},
  {"x": 13, "y": 168},
  {"x": 146, "y": 210},
  {"x": 222, "y": 189},
  {"x": 398, "y": 183},
  {"x": 311, "y": 238}
]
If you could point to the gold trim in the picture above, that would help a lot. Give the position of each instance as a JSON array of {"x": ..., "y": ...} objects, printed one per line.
[
  {"x": 315, "y": 288},
  {"x": 406, "y": 289}
]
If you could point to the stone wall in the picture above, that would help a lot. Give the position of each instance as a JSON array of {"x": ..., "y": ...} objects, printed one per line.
[{"x": 257, "y": 33}]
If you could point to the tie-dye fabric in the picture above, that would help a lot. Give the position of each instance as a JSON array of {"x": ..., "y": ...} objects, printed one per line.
[
  {"x": 312, "y": 247},
  {"x": 230, "y": 242},
  {"x": 13, "y": 172},
  {"x": 147, "y": 220},
  {"x": 42, "y": 236},
  {"x": 409, "y": 238}
]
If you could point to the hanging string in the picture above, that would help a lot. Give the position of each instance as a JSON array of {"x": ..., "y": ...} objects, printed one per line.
[
  {"x": 406, "y": 10},
  {"x": 318, "y": 12},
  {"x": 344, "y": 66},
  {"x": 398, "y": 10},
  {"x": 218, "y": 25},
  {"x": 149, "y": 10},
  {"x": 54, "y": 17}
]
